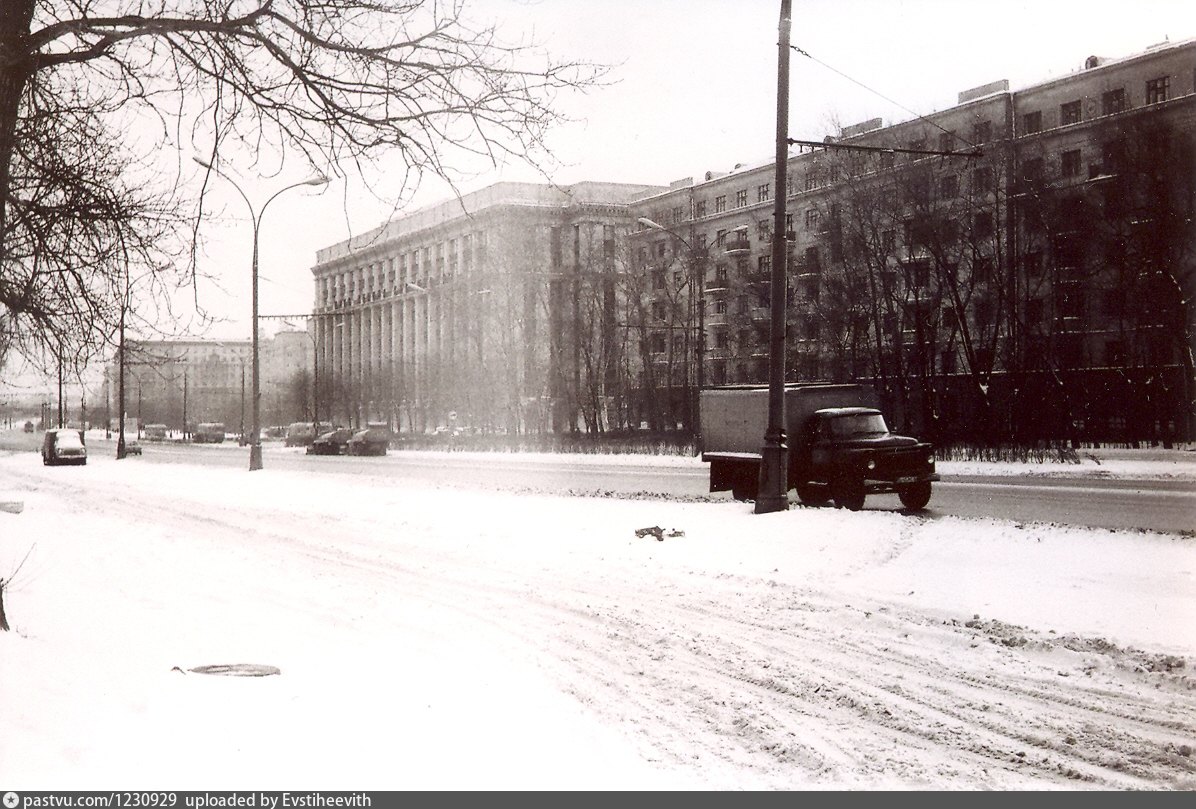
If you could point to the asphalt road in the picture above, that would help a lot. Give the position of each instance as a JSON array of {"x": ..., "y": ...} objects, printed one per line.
[{"x": 1166, "y": 506}]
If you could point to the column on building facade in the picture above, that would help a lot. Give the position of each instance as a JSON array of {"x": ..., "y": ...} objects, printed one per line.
[{"x": 386, "y": 357}]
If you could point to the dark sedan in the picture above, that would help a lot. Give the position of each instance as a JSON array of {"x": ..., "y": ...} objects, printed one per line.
[{"x": 334, "y": 442}]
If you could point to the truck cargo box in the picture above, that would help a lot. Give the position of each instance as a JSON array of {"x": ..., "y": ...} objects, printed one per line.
[{"x": 734, "y": 417}]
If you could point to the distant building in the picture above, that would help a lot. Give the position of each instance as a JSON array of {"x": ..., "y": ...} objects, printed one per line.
[{"x": 181, "y": 383}]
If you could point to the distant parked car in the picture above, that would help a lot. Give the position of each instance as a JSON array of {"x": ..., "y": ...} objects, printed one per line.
[
  {"x": 29, "y": 426},
  {"x": 209, "y": 432},
  {"x": 334, "y": 442},
  {"x": 132, "y": 447},
  {"x": 300, "y": 434},
  {"x": 63, "y": 446},
  {"x": 374, "y": 441},
  {"x": 154, "y": 432}
]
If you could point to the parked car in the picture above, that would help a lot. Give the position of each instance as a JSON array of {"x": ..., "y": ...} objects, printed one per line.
[
  {"x": 29, "y": 426},
  {"x": 300, "y": 434},
  {"x": 63, "y": 446},
  {"x": 153, "y": 432},
  {"x": 132, "y": 446},
  {"x": 374, "y": 441},
  {"x": 333, "y": 442}
]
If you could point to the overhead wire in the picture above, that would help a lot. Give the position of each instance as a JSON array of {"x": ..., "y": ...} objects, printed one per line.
[{"x": 879, "y": 94}]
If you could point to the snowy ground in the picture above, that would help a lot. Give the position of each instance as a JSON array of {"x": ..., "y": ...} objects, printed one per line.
[{"x": 446, "y": 639}]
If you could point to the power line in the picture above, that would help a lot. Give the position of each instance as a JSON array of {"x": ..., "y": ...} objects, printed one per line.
[{"x": 885, "y": 97}]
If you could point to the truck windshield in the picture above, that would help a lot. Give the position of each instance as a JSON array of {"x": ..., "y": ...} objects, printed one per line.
[{"x": 858, "y": 424}]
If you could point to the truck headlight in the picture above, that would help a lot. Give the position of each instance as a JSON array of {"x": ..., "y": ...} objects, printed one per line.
[{"x": 871, "y": 464}]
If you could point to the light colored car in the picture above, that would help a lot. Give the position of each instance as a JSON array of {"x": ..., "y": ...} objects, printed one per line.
[{"x": 63, "y": 446}]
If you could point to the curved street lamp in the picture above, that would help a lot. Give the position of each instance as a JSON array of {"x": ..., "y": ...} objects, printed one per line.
[{"x": 255, "y": 448}]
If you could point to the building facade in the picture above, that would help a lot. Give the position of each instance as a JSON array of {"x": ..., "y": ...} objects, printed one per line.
[
  {"x": 1018, "y": 266},
  {"x": 181, "y": 383},
  {"x": 496, "y": 312}
]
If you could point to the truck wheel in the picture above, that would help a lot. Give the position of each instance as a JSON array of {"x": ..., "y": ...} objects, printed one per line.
[
  {"x": 849, "y": 494},
  {"x": 742, "y": 492},
  {"x": 915, "y": 497},
  {"x": 812, "y": 494}
]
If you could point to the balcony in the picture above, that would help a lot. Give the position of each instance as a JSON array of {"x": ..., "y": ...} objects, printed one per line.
[{"x": 737, "y": 245}]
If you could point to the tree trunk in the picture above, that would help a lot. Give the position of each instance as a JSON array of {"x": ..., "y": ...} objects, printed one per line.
[
  {"x": 14, "y": 74},
  {"x": 3, "y": 619}
]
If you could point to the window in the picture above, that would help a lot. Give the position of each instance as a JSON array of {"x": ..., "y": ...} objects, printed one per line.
[
  {"x": 1156, "y": 89},
  {"x": 762, "y": 192},
  {"x": 888, "y": 241},
  {"x": 949, "y": 186},
  {"x": 764, "y": 230},
  {"x": 982, "y": 180},
  {"x": 1071, "y": 163},
  {"x": 947, "y": 142},
  {"x": 741, "y": 198},
  {"x": 721, "y": 238},
  {"x": 720, "y": 203},
  {"x": 1069, "y": 113},
  {"x": 657, "y": 343},
  {"x": 1032, "y": 261},
  {"x": 699, "y": 209},
  {"x": 764, "y": 265},
  {"x": 720, "y": 307},
  {"x": 982, "y": 131},
  {"x": 679, "y": 214},
  {"x": 1032, "y": 169},
  {"x": 1112, "y": 101},
  {"x": 887, "y": 159},
  {"x": 1032, "y": 122},
  {"x": 658, "y": 280},
  {"x": 658, "y": 310},
  {"x": 916, "y": 145},
  {"x": 811, "y": 219},
  {"x": 983, "y": 225}
]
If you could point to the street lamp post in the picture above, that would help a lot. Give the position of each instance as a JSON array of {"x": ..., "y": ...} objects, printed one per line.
[
  {"x": 697, "y": 280},
  {"x": 255, "y": 448}
]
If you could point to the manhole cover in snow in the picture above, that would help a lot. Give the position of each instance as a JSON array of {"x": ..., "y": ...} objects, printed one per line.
[{"x": 237, "y": 670}]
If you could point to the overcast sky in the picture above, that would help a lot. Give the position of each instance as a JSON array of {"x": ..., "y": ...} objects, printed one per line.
[{"x": 694, "y": 89}]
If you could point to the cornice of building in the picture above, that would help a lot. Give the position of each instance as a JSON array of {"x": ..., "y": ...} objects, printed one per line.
[{"x": 451, "y": 213}]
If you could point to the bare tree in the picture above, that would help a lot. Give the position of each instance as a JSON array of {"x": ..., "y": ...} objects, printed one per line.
[{"x": 338, "y": 84}]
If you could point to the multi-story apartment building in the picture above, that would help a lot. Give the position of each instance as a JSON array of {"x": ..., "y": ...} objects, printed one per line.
[
  {"x": 181, "y": 383},
  {"x": 497, "y": 310},
  {"x": 1018, "y": 264}
]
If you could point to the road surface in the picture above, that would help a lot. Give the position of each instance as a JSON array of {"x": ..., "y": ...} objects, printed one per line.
[{"x": 1163, "y": 505}]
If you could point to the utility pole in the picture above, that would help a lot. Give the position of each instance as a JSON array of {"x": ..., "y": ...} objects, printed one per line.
[{"x": 773, "y": 489}]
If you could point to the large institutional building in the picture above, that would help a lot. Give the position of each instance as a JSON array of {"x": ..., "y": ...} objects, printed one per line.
[{"x": 1019, "y": 263}]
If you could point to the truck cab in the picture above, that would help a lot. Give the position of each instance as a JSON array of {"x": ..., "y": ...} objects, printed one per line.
[{"x": 849, "y": 453}]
